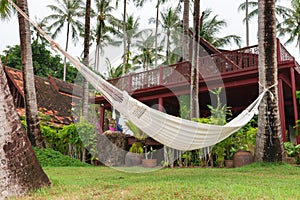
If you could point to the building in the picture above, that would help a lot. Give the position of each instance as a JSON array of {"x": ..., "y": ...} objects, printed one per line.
[
  {"x": 235, "y": 71},
  {"x": 55, "y": 97}
]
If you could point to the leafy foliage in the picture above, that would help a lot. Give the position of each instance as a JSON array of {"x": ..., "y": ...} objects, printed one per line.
[
  {"x": 44, "y": 63},
  {"x": 51, "y": 158}
]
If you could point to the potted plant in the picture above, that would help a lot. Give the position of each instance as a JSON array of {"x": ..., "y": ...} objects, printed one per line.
[
  {"x": 134, "y": 156},
  {"x": 149, "y": 161},
  {"x": 292, "y": 152}
]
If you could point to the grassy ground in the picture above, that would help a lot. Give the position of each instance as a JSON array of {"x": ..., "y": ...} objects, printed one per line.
[{"x": 250, "y": 182}]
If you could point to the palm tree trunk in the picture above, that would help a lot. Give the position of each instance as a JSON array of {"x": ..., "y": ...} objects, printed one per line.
[
  {"x": 124, "y": 39},
  {"x": 32, "y": 119},
  {"x": 247, "y": 24},
  {"x": 156, "y": 30},
  {"x": 85, "y": 95},
  {"x": 194, "y": 71},
  {"x": 66, "y": 49},
  {"x": 20, "y": 170},
  {"x": 269, "y": 144},
  {"x": 185, "y": 46}
]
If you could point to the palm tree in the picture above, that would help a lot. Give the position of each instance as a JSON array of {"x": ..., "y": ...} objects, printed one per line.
[
  {"x": 103, "y": 16},
  {"x": 194, "y": 71},
  {"x": 147, "y": 51},
  {"x": 210, "y": 27},
  {"x": 269, "y": 144},
  {"x": 32, "y": 120},
  {"x": 185, "y": 39},
  {"x": 291, "y": 23},
  {"x": 158, "y": 3},
  {"x": 132, "y": 32},
  {"x": 85, "y": 92},
  {"x": 66, "y": 12},
  {"x": 169, "y": 22},
  {"x": 20, "y": 168},
  {"x": 86, "y": 51},
  {"x": 254, "y": 5}
]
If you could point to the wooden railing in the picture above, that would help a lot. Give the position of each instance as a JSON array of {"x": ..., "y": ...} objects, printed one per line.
[{"x": 211, "y": 65}]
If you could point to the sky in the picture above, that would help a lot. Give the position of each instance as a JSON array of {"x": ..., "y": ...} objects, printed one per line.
[{"x": 225, "y": 9}]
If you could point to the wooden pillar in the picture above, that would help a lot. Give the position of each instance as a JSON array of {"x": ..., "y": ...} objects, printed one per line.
[
  {"x": 281, "y": 109},
  {"x": 102, "y": 115},
  {"x": 294, "y": 98},
  {"x": 160, "y": 104}
]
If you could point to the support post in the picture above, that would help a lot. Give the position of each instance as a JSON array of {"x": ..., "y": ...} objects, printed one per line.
[
  {"x": 281, "y": 109},
  {"x": 160, "y": 104},
  {"x": 102, "y": 115},
  {"x": 294, "y": 99}
]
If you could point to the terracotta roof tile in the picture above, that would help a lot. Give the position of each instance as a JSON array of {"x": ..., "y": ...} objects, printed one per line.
[{"x": 50, "y": 101}]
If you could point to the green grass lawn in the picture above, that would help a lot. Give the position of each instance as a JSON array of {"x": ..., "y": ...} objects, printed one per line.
[{"x": 251, "y": 182}]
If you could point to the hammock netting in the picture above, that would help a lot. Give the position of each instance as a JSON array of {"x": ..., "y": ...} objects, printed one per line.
[{"x": 169, "y": 130}]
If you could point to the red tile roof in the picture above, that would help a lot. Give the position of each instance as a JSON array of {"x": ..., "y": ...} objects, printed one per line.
[{"x": 51, "y": 101}]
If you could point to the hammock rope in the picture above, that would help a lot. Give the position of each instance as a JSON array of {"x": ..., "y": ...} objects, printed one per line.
[{"x": 169, "y": 130}]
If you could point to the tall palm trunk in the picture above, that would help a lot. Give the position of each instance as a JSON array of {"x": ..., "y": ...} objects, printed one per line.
[
  {"x": 32, "y": 119},
  {"x": 269, "y": 145},
  {"x": 185, "y": 40},
  {"x": 85, "y": 95},
  {"x": 20, "y": 170},
  {"x": 124, "y": 39},
  {"x": 194, "y": 70},
  {"x": 247, "y": 24},
  {"x": 66, "y": 49},
  {"x": 156, "y": 31}
]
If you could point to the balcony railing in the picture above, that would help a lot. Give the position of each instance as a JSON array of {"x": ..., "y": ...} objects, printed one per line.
[{"x": 211, "y": 65}]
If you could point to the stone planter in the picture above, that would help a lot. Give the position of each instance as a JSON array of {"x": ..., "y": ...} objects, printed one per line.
[
  {"x": 133, "y": 159},
  {"x": 149, "y": 163},
  {"x": 229, "y": 163},
  {"x": 242, "y": 158}
]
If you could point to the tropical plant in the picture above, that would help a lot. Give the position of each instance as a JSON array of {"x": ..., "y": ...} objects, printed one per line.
[
  {"x": 66, "y": 12},
  {"x": 291, "y": 23},
  {"x": 169, "y": 22},
  {"x": 44, "y": 62},
  {"x": 137, "y": 133},
  {"x": 211, "y": 26},
  {"x": 137, "y": 147},
  {"x": 147, "y": 51},
  {"x": 86, "y": 51},
  {"x": 158, "y": 3},
  {"x": 104, "y": 17},
  {"x": 291, "y": 149},
  {"x": 269, "y": 144},
  {"x": 149, "y": 153}
]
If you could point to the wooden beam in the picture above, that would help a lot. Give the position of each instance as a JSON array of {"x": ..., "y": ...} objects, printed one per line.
[
  {"x": 294, "y": 99},
  {"x": 281, "y": 109}
]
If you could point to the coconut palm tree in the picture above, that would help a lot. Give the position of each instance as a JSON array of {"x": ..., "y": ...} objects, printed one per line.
[
  {"x": 269, "y": 144},
  {"x": 170, "y": 21},
  {"x": 32, "y": 120},
  {"x": 104, "y": 16},
  {"x": 86, "y": 48},
  {"x": 132, "y": 33},
  {"x": 194, "y": 71},
  {"x": 185, "y": 39},
  {"x": 291, "y": 23},
  {"x": 253, "y": 5},
  {"x": 158, "y": 3},
  {"x": 66, "y": 12},
  {"x": 211, "y": 26},
  {"x": 20, "y": 168},
  {"x": 146, "y": 46}
]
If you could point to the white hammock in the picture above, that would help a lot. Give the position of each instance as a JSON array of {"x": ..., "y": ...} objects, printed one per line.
[{"x": 169, "y": 130}]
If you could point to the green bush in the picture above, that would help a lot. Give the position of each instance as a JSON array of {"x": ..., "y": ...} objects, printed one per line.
[{"x": 51, "y": 158}]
